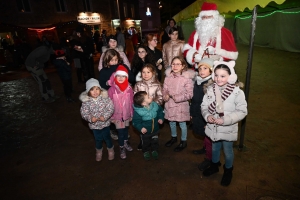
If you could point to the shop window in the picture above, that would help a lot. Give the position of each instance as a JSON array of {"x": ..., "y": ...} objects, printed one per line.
[
  {"x": 132, "y": 11},
  {"x": 86, "y": 5},
  {"x": 125, "y": 9},
  {"x": 60, "y": 5},
  {"x": 23, "y": 6}
]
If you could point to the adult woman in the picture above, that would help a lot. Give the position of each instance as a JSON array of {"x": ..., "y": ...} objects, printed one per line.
[
  {"x": 113, "y": 44},
  {"x": 151, "y": 43}
]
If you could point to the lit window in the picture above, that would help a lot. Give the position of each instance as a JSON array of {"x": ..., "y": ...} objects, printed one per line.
[{"x": 148, "y": 13}]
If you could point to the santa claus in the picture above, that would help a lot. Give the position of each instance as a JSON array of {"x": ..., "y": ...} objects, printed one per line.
[{"x": 210, "y": 39}]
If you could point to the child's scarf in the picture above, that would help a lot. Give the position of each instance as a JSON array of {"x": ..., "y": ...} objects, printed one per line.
[
  {"x": 123, "y": 85},
  {"x": 217, "y": 105}
]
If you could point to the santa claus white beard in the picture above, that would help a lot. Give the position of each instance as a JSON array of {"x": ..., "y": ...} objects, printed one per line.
[{"x": 207, "y": 30}]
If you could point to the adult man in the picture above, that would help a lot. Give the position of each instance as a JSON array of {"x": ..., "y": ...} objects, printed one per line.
[
  {"x": 210, "y": 39},
  {"x": 120, "y": 38},
  {"x": 35, "y": 63}
]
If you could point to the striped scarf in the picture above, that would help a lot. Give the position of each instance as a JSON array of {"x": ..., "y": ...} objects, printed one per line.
[{"x": 220, "y": 110}]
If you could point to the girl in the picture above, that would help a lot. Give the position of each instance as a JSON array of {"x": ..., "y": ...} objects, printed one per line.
[
  {"x": 177, "y": 90},
  {"x": 122, "y": 96},
  {"x": 113, "y": 44},
  {"x": 151, "y": 43},
  {"x": 205, "y": 68},
  {"x": 97, "y": 109},
  {"x": 111, "y": 60},
  {"x": 151, "y": 85},
  {"x": 140, "y": 58},
  {"x": 223, "y": 106},
  {"x": 172, "y": 48}
]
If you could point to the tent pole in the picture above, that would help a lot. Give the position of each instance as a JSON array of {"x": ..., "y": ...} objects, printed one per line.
[{"x": 248, "y": 74}]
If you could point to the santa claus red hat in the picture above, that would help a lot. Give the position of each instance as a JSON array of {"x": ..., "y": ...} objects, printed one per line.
[
  {"x": 121, "y": 71},
  {"x": 209, "y": 9}
]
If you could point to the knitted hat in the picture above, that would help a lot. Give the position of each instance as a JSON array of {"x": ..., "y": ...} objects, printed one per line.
[
  {"x": 91, "y": 83},
  {"x": 112, "y": 37},
  {"x": 208, "y": 62},
  {"x": 121, "y": 71},
  {"x": 209, "y": 9},
  {"x": 233, "y": 77}
]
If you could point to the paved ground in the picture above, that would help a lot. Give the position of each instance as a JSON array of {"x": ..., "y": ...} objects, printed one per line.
[{"x": 47, "y": 150}]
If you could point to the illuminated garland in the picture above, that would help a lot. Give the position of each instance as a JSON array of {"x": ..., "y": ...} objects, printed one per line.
[{"x": 267, "y": 15}]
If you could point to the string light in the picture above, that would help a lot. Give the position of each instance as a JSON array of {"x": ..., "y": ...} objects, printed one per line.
[{"x": 269, "y": 14}]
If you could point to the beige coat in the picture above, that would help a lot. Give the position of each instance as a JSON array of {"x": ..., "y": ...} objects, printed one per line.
[{"x": 170, "y": 50}]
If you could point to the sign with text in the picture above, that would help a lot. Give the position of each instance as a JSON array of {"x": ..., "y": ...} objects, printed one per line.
[{"x": 89, "y": 18}]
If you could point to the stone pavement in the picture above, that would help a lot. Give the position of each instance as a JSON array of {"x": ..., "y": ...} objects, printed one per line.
[{"x": 47, "y": 150}]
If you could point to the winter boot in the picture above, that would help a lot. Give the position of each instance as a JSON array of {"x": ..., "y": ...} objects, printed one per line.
[
  {"x": 155, "y": 155},
  {"x": 204, "y": 165},
  {"x": 111, "y": 153},
  {"x": 127, "y": 145},
  {"x": 147, "y": 155},
  {"x": 181, "y": 146},
  {"x": 213, "y": 168},
  {"x": 200, "y": 151},
  {"x": 227, "y": 176},
  {"x": 122, "y": 152},
  {"x": 171, "y": 142},
  {"x": 99, "y": 154}
]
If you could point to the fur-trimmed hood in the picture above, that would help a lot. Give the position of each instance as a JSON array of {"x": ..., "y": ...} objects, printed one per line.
[
  {"x": 83, "y": 97},
  {"x": 187, "y": 74},
  {"x": 211, "y": 82}
]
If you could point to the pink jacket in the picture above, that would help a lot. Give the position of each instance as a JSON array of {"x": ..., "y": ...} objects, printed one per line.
[
  {"x": 181, "y": 88},
  {"x": 122, "y": 101}
]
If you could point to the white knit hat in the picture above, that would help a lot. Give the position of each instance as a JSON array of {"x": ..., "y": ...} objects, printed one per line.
[
  {"x": 91, "y": 83},
  {"x": 208, "y": 62},
  {"x": 233, "y": 77}
]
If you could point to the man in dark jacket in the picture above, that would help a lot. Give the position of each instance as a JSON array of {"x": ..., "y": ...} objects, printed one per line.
[{"x": 35, "y": 63}]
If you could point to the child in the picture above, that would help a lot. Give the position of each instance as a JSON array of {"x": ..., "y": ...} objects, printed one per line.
[
  {"x": 205, "y": 68},
  {"x": 97, "y": 109},
  {"x": 111, "y": 60},
  {"x": 177, "y": 90},
  {"x": 147, "y": 115},
  {"x": 121, "y": 94},
  {"x": 172, "y": 48},
  {"x": 140, "y": 58},
  {"x": 223, "y": 106},
  {"x": 65, "y": 72},
  {"x": 151, "y": 85},
  {"x": 113, "y": 44}
]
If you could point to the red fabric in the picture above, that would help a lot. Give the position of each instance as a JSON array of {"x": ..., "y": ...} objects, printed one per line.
[
  {"x": 135, "y": 39},
  {"x": 122, "y": 86},
  {"x": 121, "y": 70},
  {"x": 208, "y": 6}
]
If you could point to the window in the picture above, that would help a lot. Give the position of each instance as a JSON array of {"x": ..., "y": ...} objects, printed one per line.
[
  {"x": 86, "y": 5},
  {"x": 132, "y": 11},
  {"x": 60, "y": 6},
  {"x": 125, "y": 9},
  {"x": 23, "y": 6}
]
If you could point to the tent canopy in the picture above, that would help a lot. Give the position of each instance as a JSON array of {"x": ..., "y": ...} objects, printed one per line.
[{"x": 231, "y": 8}]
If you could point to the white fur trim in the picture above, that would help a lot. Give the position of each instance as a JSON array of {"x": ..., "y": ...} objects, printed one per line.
[
  {"x": 189, "y": 55},
  {"x": 209, "y": 13},
  {"x": 138, "y": 77},
  {"x": 232, "y": 55},
  {"x": 121, "y": 73}
]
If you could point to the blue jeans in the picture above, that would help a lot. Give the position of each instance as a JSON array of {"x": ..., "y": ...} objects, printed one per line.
[
  {"x": 100, "y": 135},
  {"x": 183, "y": 130},
  {"x": 122, "y": 135},
  {"x": 228, "y": 151}
]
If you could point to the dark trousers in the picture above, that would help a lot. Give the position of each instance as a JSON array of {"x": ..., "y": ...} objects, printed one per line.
[
  {"x": 68, "y": 88},
  {"x": 122, "y": 135},
  {"x": 102, "y": 135},
  {"x": 150, "y": 141}
]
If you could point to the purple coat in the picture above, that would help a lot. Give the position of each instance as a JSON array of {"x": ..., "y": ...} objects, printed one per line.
[
  {"x": 122, "y": 101},
  {"x": 181, "y": 88}
]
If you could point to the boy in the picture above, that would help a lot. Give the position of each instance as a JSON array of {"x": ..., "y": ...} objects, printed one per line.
[{"x": 147, "y": 115}]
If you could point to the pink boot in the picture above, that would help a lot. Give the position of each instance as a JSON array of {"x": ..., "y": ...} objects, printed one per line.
[
  {"x": 99, "y": 154},
  {"x": 122, "y": 152},
  {"x": 111, "y": 153}
]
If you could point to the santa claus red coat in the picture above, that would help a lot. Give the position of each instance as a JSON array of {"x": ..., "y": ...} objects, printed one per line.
[{"x": 224, "y": 46}]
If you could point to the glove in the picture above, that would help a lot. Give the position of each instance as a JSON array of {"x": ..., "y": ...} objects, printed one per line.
[
  {"x": 198, "y": 58},
  {"x": 211, "y": 50}
]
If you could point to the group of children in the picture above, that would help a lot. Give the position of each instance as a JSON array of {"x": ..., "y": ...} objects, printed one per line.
[{"x": 211, "y": 97}]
